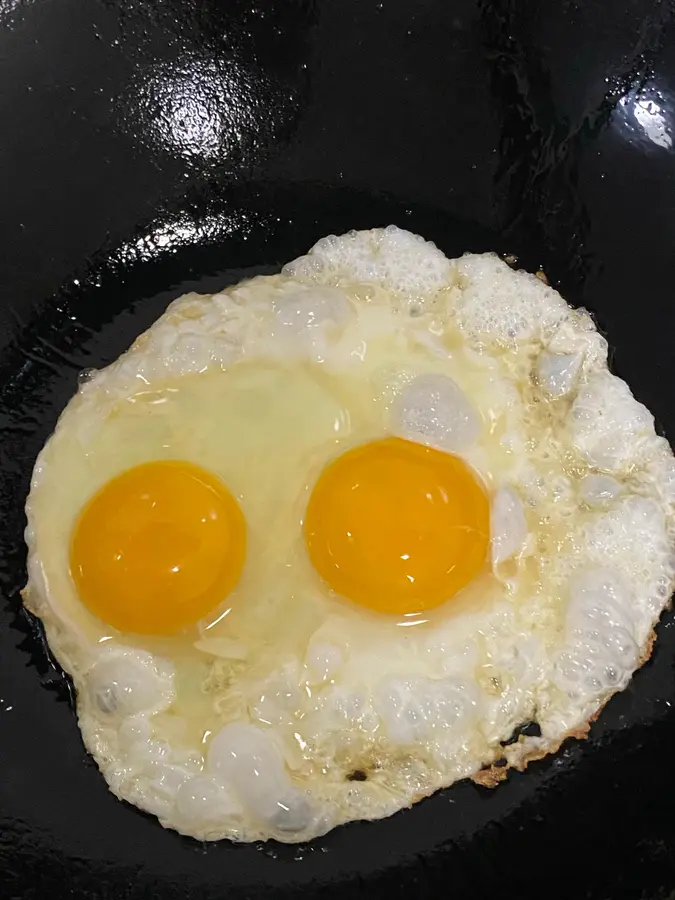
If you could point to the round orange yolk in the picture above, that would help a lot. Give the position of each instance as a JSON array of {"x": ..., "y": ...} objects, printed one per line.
[
  {"x": 397, "y": 527},
  {"x": 158, "y": 547}
]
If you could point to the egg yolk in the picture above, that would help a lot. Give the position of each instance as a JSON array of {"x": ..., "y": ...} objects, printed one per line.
[
  {"x": 397, "y": 527},
  {"x": 158, "y": 547}
]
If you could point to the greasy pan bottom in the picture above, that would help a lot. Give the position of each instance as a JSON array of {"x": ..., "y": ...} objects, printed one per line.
[{"x": 153, "y": 151}]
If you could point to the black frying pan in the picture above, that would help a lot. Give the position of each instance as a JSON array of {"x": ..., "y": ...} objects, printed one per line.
[{"x": 147, "y": 149}]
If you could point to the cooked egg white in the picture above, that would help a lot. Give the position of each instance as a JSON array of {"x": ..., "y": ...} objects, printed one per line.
[{"x": 214, "y": 532}]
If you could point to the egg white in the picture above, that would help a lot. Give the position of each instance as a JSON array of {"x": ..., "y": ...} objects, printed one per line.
[{"x": 253, "y": 724}]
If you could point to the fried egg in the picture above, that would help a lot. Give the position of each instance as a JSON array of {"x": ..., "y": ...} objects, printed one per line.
[{"x": 316, "y": 546}]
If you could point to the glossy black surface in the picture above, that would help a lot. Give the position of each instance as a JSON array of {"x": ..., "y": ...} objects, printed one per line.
[{"x": 151, "y": 148}]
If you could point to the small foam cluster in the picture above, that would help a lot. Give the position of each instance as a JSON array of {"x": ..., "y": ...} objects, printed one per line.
[
  {"x": 609, "y": 426},
  {"x": 434, "y": 410},
  {"x": 494, "y": 308},
  {"x": 390, "y": 257},
  {"x": 601, "y": 649}
]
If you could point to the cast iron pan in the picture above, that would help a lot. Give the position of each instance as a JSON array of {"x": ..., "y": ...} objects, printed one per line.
[{"x": 147, "y": 149}]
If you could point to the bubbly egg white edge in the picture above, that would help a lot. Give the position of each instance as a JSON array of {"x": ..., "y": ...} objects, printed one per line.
[{"x": 612, "y": 433}]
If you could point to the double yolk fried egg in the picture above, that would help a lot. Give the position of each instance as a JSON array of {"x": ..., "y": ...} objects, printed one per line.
[{"x": 318, "y": 545}]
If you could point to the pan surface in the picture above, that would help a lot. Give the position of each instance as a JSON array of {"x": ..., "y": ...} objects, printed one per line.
[{"x": 147, "y": 149}]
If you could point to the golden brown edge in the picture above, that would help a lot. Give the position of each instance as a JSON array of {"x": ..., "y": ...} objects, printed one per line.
[{"x": 495, "y": 773}]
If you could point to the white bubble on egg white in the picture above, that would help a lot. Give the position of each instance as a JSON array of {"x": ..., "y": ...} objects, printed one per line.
[
  {"x": 396, "y": 259},
  {"x": 304, "y": 314},
  {"x": 278, "y": 699},
  {"x": 659, "y": 472},
  {"x": 599, "y": 490},
  {"x": 450, "y": 654},
  {"x": 124, "y": 682},
  {"x": 498, "y": 305},
  {"x": 435, "y": 411},
  {"x": 601, "y": 651},
  {"x": 608, "y": 426},
  {"x": 201, "y": 800},
  {"x": 250, "y": 765},
  {"x": 149, "y": 799},
  {"x": 413, "y": 710},
  {"x": 632, "y": 538},
  {"x": 323, "y": 660},
  {"x": 156, "y": 772},
  {"x": 168, "y": 779},
  {"x": 577, "y": 336},
  {"x": 557, "y": 372},
  {"x": 193, "y": 354},
  {"x": 340, "y": 713},
  {"x": 508, "y": 525},
  {"x": 145, "y": 754},
  {"x": 135, "y": 730}
]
